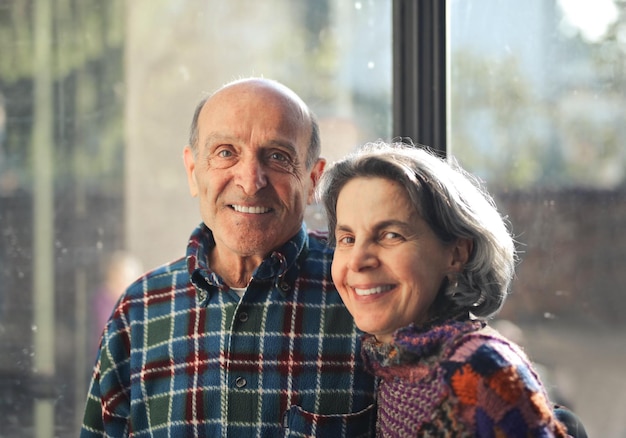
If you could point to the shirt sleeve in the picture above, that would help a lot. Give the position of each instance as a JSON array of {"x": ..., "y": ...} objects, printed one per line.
[{"x": 107, "y": 409}]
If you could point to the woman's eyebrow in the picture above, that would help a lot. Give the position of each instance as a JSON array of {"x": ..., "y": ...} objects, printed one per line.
[{"x": 378, "y": 226}]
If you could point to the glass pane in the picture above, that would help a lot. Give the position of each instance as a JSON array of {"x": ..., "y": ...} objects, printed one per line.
[
  {"x": 537, "y": 104},
  {"x": 95, "y": 104}
]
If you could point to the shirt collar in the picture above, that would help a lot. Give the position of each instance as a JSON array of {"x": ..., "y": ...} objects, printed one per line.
[{"x": 279, "y": 266}]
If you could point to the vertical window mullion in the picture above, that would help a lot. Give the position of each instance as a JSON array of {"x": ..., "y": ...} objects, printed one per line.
[{"x": 419, "y": 71}]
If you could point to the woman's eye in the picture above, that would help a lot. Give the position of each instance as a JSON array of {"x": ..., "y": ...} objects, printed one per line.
[
  {"x": 345, "y": 240},
  {"x": 390, "y": 235}
]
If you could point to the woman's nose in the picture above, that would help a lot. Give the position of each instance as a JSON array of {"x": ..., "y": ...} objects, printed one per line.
[{"x": 362, "y": 257}]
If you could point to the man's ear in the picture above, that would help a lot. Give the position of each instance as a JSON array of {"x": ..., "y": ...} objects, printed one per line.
[
  {"x": 189, "y": 159},
  {"x": 461, "y": 251},
  {"x": 315, "y": 175}
]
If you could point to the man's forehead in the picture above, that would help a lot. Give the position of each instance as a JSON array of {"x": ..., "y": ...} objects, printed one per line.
[{"x": 261, "y": 121}]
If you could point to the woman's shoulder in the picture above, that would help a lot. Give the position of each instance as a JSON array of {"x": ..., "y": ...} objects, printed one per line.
[
  {"x": 491, "y": 378},
  {"x": 486, "y": 349},
  {"x": 486, "y": 359}
]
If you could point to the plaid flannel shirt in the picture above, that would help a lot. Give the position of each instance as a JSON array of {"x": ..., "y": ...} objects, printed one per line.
[{"x": 182, "y": 355}]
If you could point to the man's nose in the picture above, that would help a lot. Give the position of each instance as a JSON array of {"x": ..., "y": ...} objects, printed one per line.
[{"x": 251, "y": 176}]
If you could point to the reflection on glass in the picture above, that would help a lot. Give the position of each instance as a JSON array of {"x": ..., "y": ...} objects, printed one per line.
[
  {"x": 537, "y": 103},
  {"x": 95, "y": 102}
]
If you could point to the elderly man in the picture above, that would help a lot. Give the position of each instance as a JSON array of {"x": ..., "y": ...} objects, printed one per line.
[{"x": 245, "y": 335}]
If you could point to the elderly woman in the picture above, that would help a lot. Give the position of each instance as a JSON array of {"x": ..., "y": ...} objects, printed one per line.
[{"x": 422, "y": 259}]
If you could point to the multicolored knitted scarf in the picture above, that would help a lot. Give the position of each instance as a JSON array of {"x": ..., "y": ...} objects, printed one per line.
[{"x": 456, "y": 379}]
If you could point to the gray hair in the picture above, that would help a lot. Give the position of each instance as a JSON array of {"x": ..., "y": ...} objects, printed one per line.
[
  {"x": 453, "y": 203},
  {"x": 315, "y": 145}
]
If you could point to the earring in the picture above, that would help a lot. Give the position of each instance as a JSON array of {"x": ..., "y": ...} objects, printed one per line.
[{"x": 453, "y": 286}]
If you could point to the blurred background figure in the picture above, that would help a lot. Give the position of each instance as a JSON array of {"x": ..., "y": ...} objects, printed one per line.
[{"x": 119, "y": 271}]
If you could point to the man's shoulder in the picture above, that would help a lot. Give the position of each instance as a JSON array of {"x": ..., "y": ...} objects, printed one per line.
[
  {"x": 317, "y": 255},
  {"x": 321, "y": 235},
  {"x": 162, "y": 276},
  {"x": 318, "y": 241}
]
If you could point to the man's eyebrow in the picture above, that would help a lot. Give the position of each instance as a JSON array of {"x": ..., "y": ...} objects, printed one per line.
[
  {"x": 219, "y": 138},
  {"x": 283, "y": 145}
]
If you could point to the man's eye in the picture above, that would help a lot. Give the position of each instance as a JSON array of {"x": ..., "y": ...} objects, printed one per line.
[
  {"x": 224, "y": 153},
  {"x": 277, "y": 156}
]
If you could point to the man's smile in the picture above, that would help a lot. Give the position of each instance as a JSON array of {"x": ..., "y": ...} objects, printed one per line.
[{"x": 250, "y": 210}]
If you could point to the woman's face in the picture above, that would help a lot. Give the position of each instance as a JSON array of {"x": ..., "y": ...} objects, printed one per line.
[{"x": 388, "y": 264}]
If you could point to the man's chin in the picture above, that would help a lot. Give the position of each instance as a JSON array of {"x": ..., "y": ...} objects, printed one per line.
[
  {"x": 254, "y": 244},
  {"x": 246, "y": 240}
]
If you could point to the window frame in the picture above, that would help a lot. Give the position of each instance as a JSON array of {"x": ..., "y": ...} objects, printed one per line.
[{"x": 420, "y": 77}]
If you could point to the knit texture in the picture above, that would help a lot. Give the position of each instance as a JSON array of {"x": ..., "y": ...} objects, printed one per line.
[
  {"x": 457, "y": 379},
  {"x": 182, "y": 355}
]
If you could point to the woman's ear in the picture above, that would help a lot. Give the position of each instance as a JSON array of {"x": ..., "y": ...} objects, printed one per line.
[{"x": 461, "y": 251}]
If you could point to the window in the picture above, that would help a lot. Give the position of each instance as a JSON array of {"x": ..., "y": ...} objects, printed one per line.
[
  {"x": 536, "y": 104},
  {"x": 95, "y": 103},
  {"x": 96, "y": 99}
]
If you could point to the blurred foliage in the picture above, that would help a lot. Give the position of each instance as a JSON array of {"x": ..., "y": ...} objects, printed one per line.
[
  {"x": 492, "y": 110},
  {"x": 83, "y": 31},
  {"x": 83, "y": 39},
  {"x": 569, "y": 131}
]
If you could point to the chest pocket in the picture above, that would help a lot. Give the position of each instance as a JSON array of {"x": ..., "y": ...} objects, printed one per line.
[{"x": 300, "y": 423}]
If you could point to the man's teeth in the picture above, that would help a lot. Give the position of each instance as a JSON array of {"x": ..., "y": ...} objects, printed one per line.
[
  {"x": 372, "y": 291},
  {"x": 252, "y": 210}
]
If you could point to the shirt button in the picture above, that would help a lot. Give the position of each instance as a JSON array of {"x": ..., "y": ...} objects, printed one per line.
[
  {"x": 202, "y": 295},
  {"x": 240, "y": 382},
  {"x": 284, "y": 286},
  {"x": 243, "y": 316}
]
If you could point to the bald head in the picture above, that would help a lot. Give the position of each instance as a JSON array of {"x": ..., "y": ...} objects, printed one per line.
[{"x": 276, "y": 92}]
